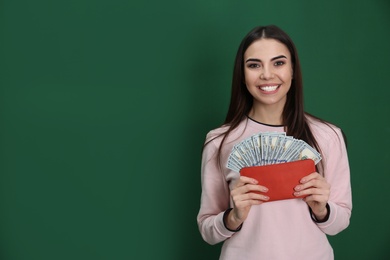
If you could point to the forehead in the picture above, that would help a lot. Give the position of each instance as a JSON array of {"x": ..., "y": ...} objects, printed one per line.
[{"x": 265, "y": 49}]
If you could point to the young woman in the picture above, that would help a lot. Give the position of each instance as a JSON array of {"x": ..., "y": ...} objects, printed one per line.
[{"x": 267, "y": 97}]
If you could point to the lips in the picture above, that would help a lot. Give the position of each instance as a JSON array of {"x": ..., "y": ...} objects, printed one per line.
[{"x": 268, "y": 88}]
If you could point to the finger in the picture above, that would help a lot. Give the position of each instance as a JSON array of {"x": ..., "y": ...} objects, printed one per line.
[
  {"x": 248, "y": 199},
  {"x": 311, "y": 176},
  {"x": 312, "y": 191},
  {"x": 317, "y": 183},
  {"x": 254, "y": 196},
  {"x": 253, "y": 188},
  {"x": 248, "y": 188},
  {"x": 245, "y": 180}
]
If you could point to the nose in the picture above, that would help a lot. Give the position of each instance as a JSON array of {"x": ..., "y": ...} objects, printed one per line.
[{"x": 266, "y": 73}]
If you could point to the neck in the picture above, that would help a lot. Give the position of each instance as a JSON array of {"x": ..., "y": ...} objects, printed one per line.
[{"x": 267, "y": 115}]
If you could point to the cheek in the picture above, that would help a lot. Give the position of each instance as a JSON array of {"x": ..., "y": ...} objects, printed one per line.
[
  {"x": 287, "y": 77},
  {"x": 250, "y": 78}
]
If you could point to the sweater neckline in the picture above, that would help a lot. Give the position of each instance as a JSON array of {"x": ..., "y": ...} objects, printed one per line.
[{"x": 261, "y": 123}]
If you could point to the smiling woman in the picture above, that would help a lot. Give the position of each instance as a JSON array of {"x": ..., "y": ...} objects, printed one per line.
[
  {"x": 267, "y": 96},
  {"x": 268, "y": 76}
]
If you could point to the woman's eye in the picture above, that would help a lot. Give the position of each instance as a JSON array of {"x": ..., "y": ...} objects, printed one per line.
[
  {"x": 279, "y": 63},
  {"x": 254, "y": 65}
]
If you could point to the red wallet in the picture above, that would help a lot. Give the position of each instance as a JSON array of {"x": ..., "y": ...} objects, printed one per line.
[{"x": 280, "y": 179}]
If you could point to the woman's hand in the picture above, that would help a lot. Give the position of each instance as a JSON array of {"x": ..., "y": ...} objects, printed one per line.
[
  {"x": 244, "y": 197},
  {"x": 317, "y": 190}
]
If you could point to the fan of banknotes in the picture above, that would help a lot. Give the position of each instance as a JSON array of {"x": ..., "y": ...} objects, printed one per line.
[{"x": 270, "y": 148}]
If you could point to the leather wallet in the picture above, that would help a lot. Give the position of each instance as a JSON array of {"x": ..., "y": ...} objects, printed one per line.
[{"x": 280, "y": 179}]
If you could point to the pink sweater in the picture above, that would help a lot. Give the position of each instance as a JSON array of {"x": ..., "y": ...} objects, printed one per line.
[{"x": 280, "y": 229}]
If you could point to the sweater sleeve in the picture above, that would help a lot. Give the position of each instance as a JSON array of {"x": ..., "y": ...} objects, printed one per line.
[
  {"x": 337, "y": 173},
  {"x": 214, "y": 199}
]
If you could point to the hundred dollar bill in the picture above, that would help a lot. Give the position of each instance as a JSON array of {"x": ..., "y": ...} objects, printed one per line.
[
  {"x": 308, "y": 152},
  {"x": 257, "y": 146}
]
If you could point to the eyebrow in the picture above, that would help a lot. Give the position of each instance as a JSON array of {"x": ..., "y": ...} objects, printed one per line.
[{"x": 274, "y": 58}]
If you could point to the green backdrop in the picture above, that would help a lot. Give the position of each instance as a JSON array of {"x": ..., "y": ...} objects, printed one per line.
[{"x": 105, "y": 104}]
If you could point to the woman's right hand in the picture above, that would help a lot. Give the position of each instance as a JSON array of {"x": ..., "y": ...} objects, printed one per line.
[{"x": 244, "y": 198}]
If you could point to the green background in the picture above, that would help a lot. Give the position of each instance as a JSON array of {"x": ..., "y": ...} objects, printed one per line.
[{"x": 104, "y": 107}]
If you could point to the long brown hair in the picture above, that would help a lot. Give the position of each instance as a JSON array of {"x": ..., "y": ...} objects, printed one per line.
[{"x": 241, "y": 101}]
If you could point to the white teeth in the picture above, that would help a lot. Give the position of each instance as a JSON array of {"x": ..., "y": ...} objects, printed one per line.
[{"x": 269, "y": 88}]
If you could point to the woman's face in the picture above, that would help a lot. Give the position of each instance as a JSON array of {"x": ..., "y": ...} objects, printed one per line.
[{"x": 268, "y": 73}]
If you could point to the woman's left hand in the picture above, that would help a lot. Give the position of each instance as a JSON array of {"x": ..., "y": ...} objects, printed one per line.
[{"x": 317, "y": 190}]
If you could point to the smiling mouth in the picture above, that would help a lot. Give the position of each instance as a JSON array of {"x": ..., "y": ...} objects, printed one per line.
[{"x": 269, "y": 88}]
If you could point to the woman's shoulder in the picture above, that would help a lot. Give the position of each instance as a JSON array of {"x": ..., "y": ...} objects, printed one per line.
[
  {"x": 218, "y": 133},
  {"x": 324, "y": 129}
]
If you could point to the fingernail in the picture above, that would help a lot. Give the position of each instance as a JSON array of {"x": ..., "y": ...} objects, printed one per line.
[
  {"x": 265, "y": 189},
  {"x": 296, "y": 193},
  {"x": 297, "y": 187}
]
